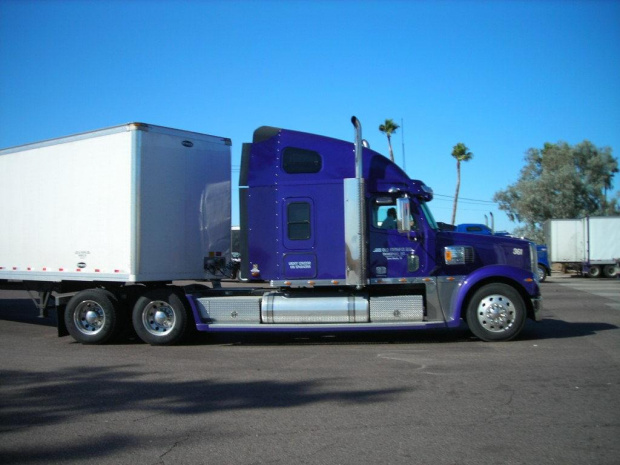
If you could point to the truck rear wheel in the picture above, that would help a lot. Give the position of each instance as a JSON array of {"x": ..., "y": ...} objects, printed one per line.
[
  {"x": 161, "y": 317},
  {"x": 496, "y": 312},
  {"x": 93, "y": 316}
]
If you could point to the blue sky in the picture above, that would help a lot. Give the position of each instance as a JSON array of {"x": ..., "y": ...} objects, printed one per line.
[{"x": 499, "y": 76}]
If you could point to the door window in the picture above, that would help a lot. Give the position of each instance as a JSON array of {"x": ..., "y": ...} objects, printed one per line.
[{"x": 298, "y": 221}]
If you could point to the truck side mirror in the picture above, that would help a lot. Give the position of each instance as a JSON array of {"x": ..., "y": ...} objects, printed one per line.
[{"x": 403, "y": 213}]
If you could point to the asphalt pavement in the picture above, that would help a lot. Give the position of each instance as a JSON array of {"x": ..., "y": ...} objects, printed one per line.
[{"x": 439, "y": 397}]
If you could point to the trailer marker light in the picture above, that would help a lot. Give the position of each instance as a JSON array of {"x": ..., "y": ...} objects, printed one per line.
[
  {"x": 61, "y": 269},
  {"x": 78, "y": 269},
  {"x": 14, "y": 268},
  {"x": 97, "y": 270}
]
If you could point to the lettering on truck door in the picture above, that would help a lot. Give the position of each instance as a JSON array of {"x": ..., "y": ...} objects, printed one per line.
[{"x": 393, "y": 254}]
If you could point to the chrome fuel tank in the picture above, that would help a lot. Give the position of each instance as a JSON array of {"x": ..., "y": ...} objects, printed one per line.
[{"x": 285, "y": 308}]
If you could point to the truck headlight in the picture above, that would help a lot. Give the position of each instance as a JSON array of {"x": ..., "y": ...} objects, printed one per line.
[
  {"x": 534, "y": 259},
  {"x": 458, "y": 255}
]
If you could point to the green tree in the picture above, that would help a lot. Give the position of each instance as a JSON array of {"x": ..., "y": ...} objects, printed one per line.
[
  {"x": 560, "y": 181},
  {"x": 389, "y": 128},
  {"x": 461, "y": 153}
]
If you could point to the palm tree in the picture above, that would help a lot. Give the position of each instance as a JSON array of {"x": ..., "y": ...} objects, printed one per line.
[
  {"x": 389, "y": 128},
  {"x": 461, "y": 153}
]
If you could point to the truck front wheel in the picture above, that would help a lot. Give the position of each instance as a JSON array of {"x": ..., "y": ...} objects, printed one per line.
[
  {"x": 161, "y": 317},
  {"x": 496, "y": 312},
  {"x": 93, "y": 316}
]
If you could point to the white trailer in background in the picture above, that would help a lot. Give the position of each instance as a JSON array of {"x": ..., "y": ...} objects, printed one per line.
[{"x": 591, "y": 244}]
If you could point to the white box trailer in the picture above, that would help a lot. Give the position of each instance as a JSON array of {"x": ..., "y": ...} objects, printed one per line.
[
  {"x": 131, "y": 203},
  {"x": 565, "y": 240},
  {"x": 590, "y": 244}
]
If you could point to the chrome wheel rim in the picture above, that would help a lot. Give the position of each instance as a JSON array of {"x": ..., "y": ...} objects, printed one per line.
[
  {"x": 158, "y": 318},
  {"x": 496, "y": 313},
  {"x": 89, "y": 317}
]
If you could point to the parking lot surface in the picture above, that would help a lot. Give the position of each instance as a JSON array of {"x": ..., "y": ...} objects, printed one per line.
[{"x": 441, "y": 397}]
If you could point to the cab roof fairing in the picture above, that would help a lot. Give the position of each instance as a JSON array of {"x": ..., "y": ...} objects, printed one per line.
[{"x": 338, "y": 162}]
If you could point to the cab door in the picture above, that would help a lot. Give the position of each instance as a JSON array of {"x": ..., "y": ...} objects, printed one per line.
[{"x": 393, "y": 254}]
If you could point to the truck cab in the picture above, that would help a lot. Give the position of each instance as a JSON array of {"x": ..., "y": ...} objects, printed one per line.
[{"x": 345, "y": 222}]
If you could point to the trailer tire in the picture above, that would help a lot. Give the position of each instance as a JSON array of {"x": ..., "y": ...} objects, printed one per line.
[
  {"x": 594, "y": 271},
  {"x": 93, "y": 316},
  {"x": 610, "y": 271},
  {"x": 496, "y": 312},
  {"x": 161, "y": 317}
]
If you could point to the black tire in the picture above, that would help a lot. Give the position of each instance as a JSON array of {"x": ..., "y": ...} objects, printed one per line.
[
  {"x": 594, "y": 271},
  {"x": 496, "y": 312},
  {"x": 542, "y": 273},
  {"x": 93, "y": 316},
  {"x": 610, "y": 271},
  {"x": 161, "y": 317}
]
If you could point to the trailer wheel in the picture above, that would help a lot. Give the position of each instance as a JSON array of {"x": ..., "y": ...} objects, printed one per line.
[
  {"x": 93, "y": 316},
  {"x": 594, "y": 271},
  {"x": 610, "y": 271},
  {"x": 161, "y": 317},
  {"x": 496, "y": 312}
]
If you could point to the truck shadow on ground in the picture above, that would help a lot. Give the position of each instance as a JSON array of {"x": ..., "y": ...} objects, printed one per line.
[
  {"x": 546, "y": 329},
  {"x": 24, "y": 311},
  {"x": 127, "y": 395},
  {"x": 551, "y": 328}
]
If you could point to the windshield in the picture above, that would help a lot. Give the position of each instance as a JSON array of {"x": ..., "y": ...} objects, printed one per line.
[{"x": 430, "y": 219}]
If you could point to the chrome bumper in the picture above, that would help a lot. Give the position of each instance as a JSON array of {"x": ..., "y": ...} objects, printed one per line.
[{"x": 537, "y": 306}]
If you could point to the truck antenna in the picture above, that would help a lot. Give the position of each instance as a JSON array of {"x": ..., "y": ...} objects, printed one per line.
[{"x": 402, "y": 139}]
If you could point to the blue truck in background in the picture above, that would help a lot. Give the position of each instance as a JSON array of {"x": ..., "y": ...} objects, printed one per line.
[
  {"x": 335, "y": 236},
  {"x": 543, "y": 267}
]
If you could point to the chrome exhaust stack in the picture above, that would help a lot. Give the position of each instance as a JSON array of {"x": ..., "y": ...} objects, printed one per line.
[
  {"x": 358, "y": 147},
  {"x": 355, "y": 218}
]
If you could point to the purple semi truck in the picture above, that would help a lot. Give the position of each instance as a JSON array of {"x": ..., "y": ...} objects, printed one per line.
[{"x": 344, "y": 239}]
